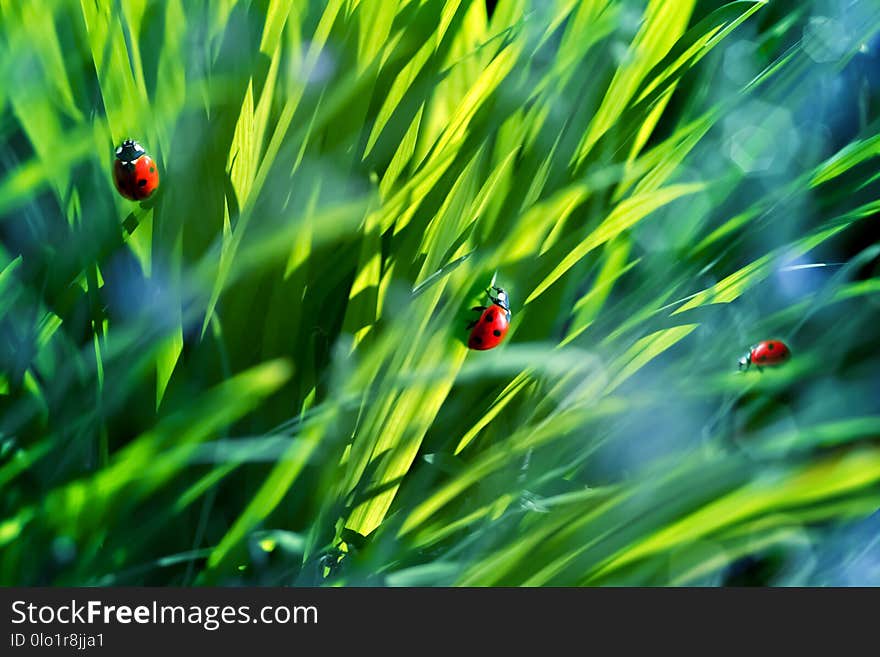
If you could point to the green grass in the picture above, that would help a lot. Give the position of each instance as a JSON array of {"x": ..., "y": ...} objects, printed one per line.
[{"x": 259, "y": 375}]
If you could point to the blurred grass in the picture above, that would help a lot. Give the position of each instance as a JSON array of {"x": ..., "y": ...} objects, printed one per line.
[{"x": 259, "y": 375}]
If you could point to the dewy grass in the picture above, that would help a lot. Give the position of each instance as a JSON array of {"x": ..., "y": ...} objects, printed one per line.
[{"x": 259, "y": 376}]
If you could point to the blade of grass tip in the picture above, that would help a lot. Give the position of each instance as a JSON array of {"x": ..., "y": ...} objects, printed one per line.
[
  {"x": 625, "y": 215},
  {"x": 461, "y": 93},
  {"x": 264, "y": 105},
  {"x": 455, "y": 129},
  {"x": 464, "y": 61},
  {"x": 400, "y": 208},
  {"x": 711, "y": 34},
  {"x": 276, "y": 19},
  {"x": 301, "y": 249},
  {"x": 730, "y": 226},
  {"x": 438, "y": 531},
  {"x": 449, "y": 10},
  {"x": 32, "y": 386},
  {"x": 139, "y": 237},
  {"x": 845, "y": 159},
  {"x": 646, "y": 350},
  {"x": 530, "y": 231},
  {"x": 402, "y": 156},
  {"x": 172, "y": 344},
  {"x": 7, "y": 274},
  {"x": 11, "y": 529},
  {"x": 489, "y": 191},
  {"x": 733, "y": 285},
  {"x": 445, "y": 270},
  {"x": 218, "y": 20},
  {"x": 374, "y": 21},
  {"x": 452, "y": 218},
  {"x": 587, "y": 23},
  {"x": 241, "y": 162},
  {"x": 402, "y": 83},
  {"x": 655, "y": 166},
  {"x": 664, "y": 22},
  {"x": 536, "y": 186},
  {"x": 587, "y": 308},
  {"x": 661, "y": 162},
  {"x": 697, "y": 42},
  {"x": 511, "y": 390}
]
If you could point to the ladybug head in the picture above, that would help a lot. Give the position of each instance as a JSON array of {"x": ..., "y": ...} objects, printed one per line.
[
  {"x": 745, "y": 361},
  {"x": 501, "y": 298},
  {"x": 129, "y": 151}
]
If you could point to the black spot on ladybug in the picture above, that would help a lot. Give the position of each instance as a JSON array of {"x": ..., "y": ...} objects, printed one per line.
[
  {"x": 142, "y": 182},
  {"x": 497, "y": 333},
  {"x": 478, "y": 340},
  {"x": 762, "y": 358},
  {"x": 152, "y": 169},
  {"x": 490, "y": 317},
  {"x": 770, "y": 346}
]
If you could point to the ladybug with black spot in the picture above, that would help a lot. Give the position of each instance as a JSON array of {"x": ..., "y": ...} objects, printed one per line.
[
  {"x": 489, "y": 330},
  {"x": 134, "y": 172},
  {"x": 768, "y": 353}
]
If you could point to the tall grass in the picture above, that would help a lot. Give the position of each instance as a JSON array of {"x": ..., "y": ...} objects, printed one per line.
[{"x": 260, "y": 376}]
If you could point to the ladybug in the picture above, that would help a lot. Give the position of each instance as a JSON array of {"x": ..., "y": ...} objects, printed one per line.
[
  {"x": 768, "y": 353},
  {"x": 489, "y": 330},
  {"x": 134, "y": 172}
]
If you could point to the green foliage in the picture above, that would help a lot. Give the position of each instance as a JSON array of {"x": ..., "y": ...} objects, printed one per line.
[{"x": 259, "y": 375}]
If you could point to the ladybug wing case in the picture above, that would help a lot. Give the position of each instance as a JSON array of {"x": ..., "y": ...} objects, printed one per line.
[
  {"x": 145, "y": 178},
  {"x": 136, "y": 180},
  {"x": 122, "y": 177},
  {"x": 490, "y": 330}
]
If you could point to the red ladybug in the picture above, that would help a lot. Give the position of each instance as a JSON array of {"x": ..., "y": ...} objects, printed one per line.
[
  {"x": 489, "y": 330},
  {"x": 767, "y": 353},
  {"x": 134, "y": 172}
]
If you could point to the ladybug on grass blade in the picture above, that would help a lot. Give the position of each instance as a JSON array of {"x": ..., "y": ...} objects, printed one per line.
[
  {"x": 134, "y": 172},
  {"x": 489, "y": 330},
  {"x": 768, "y": 353}
]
